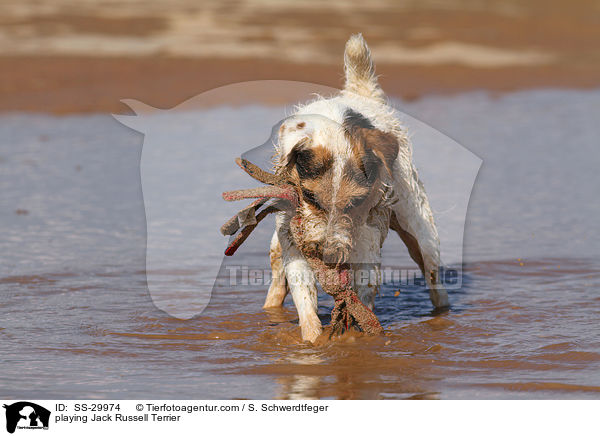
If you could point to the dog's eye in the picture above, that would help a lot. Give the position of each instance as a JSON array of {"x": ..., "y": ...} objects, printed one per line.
[
  {"x": 310, "y": 198},
  {"x": 355, "y": 202}
]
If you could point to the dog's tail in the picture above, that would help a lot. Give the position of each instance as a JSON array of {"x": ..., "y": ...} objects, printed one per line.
[{"x": 359, "y": 69}]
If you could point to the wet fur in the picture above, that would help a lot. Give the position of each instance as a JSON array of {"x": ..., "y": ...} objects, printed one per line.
[{"x": 350, "y": 161}]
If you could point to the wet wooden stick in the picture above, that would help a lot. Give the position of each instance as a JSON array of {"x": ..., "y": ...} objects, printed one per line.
[
  {"x": 245, "y": 232},
  {"x": 258, "y": 173},
  {"x": 280, "y": 191},
  {"x": 233, "y": 224}
]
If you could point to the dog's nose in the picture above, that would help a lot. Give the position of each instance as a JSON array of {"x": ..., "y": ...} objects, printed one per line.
[
  {"x": 334, "y": 254},
  {"x": 313, "y": 248}
]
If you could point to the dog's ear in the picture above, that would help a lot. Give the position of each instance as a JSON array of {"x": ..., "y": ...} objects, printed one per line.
[
  {"x": 369, "y": 141},
  {"x": 299, "y": 155},
  {"x": 368, "y": 165},
  {"x": 384, "y": 145}
]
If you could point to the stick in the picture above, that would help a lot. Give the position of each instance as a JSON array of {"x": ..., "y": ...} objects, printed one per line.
[
  {"x": 258, "y": 173},
  {"x": 233, "y": 224},
  {"x": 245, "y": 232},
  {"x": 283, "y": 192}
]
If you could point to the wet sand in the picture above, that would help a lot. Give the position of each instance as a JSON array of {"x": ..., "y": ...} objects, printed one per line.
[
  {"x": 69, "y": 84},
  {"x": 66, "y": 57}
]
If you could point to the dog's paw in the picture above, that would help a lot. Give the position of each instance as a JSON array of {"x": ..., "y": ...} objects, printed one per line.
[{"x": 311, "y": 329}]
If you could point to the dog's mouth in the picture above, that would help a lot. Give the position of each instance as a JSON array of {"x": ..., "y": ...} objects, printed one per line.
[
  {"x": 335, "y": 259},
  {"x": 335, "y": 253}
]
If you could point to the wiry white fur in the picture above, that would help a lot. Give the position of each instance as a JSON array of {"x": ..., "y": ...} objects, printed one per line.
[
  {"x": 405, "y": 194},
  {"x": 359, "y": 69}
]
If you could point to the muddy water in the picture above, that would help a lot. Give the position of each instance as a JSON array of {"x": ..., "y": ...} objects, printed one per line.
[{"x": 76, "y": 318}]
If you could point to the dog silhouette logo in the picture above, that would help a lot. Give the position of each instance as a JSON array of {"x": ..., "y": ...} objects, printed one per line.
[
  {"x": 26, "y": 415},
  {"x": 186, "y": 164}
]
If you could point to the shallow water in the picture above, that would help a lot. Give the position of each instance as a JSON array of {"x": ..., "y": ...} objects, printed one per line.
[{"x": 76, "y": 318}]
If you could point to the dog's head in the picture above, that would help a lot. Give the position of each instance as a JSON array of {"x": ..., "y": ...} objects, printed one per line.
[{"x": 341, "y": 172}]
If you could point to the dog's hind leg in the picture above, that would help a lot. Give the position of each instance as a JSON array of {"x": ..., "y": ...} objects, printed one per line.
[
  {"x": 366, "y": 264},
  {"x": 425, "y": 253},
  {"x": 278, "y": 288},
  {"x": 409, "y": 240}
]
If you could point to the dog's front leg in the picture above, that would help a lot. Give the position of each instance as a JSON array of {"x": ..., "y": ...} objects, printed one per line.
[
  {"x": 301, "y": 281},
  {"x": 278, "y": 288}
]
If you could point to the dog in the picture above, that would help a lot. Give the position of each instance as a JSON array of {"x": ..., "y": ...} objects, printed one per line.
[{"x": 350, "y": 160}]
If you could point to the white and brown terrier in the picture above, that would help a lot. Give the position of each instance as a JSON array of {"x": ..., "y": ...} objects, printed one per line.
[{"x": 351, "y": 161}]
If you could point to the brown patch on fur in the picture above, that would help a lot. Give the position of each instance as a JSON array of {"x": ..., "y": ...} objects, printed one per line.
[
  {"x": 383, "y": 144},
  {"x": 308, "y": 162},
  {"x": 323, "y": 156},
  {"x": 365, "y": 163},
  {"x": 368, "y": 143},
  {"x": 366, "y": 139},
  {"x": 309, "y": 170},
  {"x": 352, "y": 191},
  {"x": 316, "y": 193}
]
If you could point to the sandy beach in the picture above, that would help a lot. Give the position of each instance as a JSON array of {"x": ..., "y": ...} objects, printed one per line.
[
  {"x": 78, "y": 85},
  {"x": 69, "y": 56}
]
